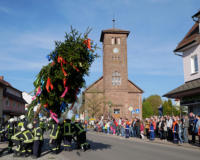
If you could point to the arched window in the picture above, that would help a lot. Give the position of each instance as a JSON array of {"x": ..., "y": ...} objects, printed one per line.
[{"x": 116, "y": 78}]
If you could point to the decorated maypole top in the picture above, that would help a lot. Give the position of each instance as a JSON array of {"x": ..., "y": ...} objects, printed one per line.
[{"x": 58, "y": 83}]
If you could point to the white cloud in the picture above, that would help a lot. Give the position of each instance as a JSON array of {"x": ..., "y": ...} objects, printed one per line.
[
  {"x": 42, "y": 40},
  {"x": 8, "y": 63}
]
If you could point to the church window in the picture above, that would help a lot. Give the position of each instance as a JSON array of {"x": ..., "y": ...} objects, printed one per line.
[
  {"x": 116, "y": 79},
  {"x": 113, "y": 40},
  {"x": 116, "y": 111},
  {"x": 118, "y": 40}
]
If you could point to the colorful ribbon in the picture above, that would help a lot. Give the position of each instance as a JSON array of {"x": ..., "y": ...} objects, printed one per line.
[
  {"x": 38, "y": 91},
  {"x": 62, "y": 61},
  {"x": 74, "y": 66},
  {"x": 49, "y": 57},
  {"x": 64, "y": 82},
  {"x": 49, "y": 84},
  {"x": 54, "y": 116},
  {"x": 33, "y": 98},
  {"x": 62, "y": 107},
  {"x": 54, "y": 55},
  {"x": 88, "y": 44},
  {"x": 52, "y": 63},
  {"x": 45, "y": 105},
  {"x": 65, "y": 91}
]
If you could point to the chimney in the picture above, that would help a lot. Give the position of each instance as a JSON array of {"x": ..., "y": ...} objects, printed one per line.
[{"x": 1, "y": 77}]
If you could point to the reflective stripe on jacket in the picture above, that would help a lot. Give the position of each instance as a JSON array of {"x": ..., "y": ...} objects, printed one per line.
[
  {"x": 27, "y": 136},
  {"x": 55, "y": 129},
  {"x": 37, "y": 132}
]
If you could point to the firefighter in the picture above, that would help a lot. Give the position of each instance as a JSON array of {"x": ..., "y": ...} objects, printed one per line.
[
  {"x": 68, "y": 134},
  {"x": 22, "y": 123},
  {"x": 26, "y": 138},
  {"x": 2, "y": 133},
  {"x": 10, "y": 133},
  {"x": 17, "y": 141},
  {"x": 42, "y": 124},
  {"x": 38, "y": 140},
  {"x": 54, "y": 136},
  {"x": 80, "y": 134}
]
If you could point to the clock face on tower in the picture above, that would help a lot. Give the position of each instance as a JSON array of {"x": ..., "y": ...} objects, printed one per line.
[{"x": 115, "y": 50}]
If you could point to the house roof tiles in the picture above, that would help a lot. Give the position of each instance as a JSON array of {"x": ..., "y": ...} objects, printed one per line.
[
  {"x": 191, "y": 37},
  {"x": 188, "y": 86}
]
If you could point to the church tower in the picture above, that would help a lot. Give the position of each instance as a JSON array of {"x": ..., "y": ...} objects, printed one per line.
[
  {"x": 121, "y": 97},
  {"x": 115, "y": 59}
]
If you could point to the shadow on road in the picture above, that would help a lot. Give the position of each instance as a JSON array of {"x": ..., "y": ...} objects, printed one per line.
[{"x": 98, "y": 146}]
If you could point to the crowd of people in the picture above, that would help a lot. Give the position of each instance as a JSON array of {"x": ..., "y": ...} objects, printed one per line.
[
  {"x": 167, "y": 128},
  {"x": 28, "y": 136}
]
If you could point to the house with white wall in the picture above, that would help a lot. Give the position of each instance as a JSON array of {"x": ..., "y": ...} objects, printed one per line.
[{"x": 189, "y": 50}]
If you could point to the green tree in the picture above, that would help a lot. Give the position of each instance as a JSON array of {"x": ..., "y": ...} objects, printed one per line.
[
  {"x": 62, "y": 79},
  {"x": 155, "y": 101},
  {"x": 167, "y": 108},
  {"x": 94, "y": 104},
  {"x": 147, "y": 109}
]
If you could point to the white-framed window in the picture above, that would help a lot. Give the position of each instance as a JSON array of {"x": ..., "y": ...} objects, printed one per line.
[
  {"x": 116, "y": 78},
  {"x": 194, "y": 64}
]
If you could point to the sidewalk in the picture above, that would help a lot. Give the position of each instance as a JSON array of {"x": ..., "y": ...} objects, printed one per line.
[{"x": 157, "y": 140}]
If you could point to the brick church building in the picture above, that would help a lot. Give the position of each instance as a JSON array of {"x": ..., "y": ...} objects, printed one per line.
[{"x": 121, "y": 97}]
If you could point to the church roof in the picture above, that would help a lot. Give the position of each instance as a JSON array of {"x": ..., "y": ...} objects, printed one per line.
[
  {"x": 93, "y": 83},
  {"x": 101, "y": 78},
  {"x": 136, "y": 86},
  {"x": 191, "y": 37},
  {"x": 113, "y": 31}
]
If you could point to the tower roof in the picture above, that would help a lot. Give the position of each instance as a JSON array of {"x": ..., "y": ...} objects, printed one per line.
[{"x": 113, "y": 31}]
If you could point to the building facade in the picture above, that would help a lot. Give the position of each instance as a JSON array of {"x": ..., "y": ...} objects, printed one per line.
[
  {"x": 11, "y": 101},
  {"x": 189, "y": 50},
  {"x": 120, "y": 96}
]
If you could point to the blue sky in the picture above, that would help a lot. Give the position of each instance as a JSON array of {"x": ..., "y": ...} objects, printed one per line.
[{"x": 28, "y": 29}]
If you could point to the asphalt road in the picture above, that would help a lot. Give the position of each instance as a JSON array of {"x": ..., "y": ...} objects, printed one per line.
[{"x": 107, "y": 147}]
